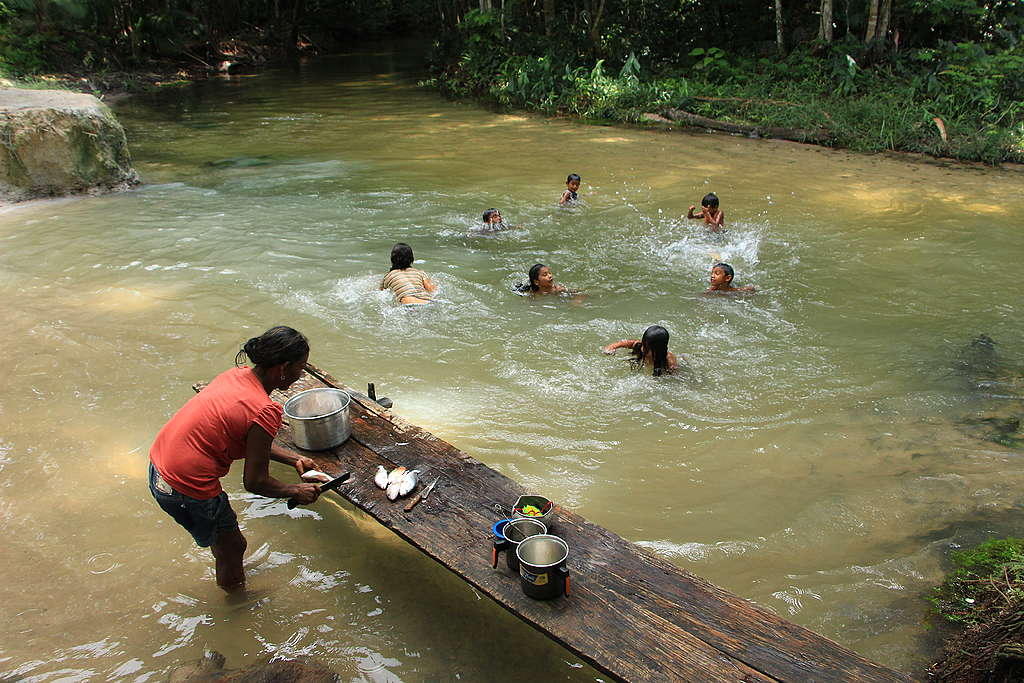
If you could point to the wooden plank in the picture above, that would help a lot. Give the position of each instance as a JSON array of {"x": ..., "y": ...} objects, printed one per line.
[{"x": 630, "y": 614}]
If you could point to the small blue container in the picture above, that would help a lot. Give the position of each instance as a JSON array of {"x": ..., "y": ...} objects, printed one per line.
[{"x": 503, "y": 540}]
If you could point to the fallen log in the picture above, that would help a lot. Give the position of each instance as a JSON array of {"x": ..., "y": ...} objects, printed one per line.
[
  {"x": 631, "y": 614},
  {"x": 820, "y": 136}
]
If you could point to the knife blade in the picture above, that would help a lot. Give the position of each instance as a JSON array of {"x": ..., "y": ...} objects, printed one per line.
[
  {"x": 332, "y": 484},
  {"x": 421, "y": 496}
]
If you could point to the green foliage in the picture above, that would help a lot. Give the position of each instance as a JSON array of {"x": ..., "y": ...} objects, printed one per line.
[
  {"x": 21, "y": 51},
  {"x": 845, "y": 70},
  {"x": 712, "y": 63},
  {"x": 984, "y": 579}
]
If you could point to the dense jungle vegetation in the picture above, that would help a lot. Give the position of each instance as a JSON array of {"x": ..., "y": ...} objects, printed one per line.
[{"x": 943, "y": 77}]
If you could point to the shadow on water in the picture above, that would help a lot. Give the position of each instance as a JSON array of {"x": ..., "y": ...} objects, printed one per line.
[{"x": 999, "y": 389}]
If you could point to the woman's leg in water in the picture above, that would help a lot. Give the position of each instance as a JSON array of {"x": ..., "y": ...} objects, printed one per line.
[{"x": 228, "y": 552}]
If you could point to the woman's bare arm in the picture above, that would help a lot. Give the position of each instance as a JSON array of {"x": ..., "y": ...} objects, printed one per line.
[{"x": 256, "y": 477}]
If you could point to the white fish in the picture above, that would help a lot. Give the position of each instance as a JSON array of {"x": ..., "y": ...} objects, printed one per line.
[
  {"x": 316, "y": 475},
  {"x": 381, "y": 478},
  {"x": 393, "y": 490},
  {"x": 396, "y": 475},
  {"x": 408, "y": 482}
]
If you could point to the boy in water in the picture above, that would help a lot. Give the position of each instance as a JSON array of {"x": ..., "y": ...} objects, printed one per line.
[
  {"x": 493, "y": 222},
  {"x": 721, "y": 280},
  {"x": 572, "y": 186},
  {"x": 713, "y": 217}
]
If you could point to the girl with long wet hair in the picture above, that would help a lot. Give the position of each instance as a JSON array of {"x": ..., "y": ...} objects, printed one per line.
[
  {"x": 541, "y": 281},
  {"x": 651, "y": 349}
]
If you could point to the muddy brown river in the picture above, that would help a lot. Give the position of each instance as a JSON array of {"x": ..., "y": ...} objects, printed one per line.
[{"x": 819, "y": 452}]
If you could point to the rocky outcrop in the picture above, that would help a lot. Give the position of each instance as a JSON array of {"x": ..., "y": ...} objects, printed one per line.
[{"x": 54, "y": 142}]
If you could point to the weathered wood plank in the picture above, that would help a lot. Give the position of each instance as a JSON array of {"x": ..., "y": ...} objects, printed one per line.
[{"x": 631, "y": 614}]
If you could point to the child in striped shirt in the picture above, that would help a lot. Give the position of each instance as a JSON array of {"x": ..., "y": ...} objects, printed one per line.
[{"x": 410, "y": 286}]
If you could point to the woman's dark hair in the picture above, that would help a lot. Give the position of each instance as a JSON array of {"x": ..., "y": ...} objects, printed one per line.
[
  {"x": 488, "y": 213},
  {"x": 725, "y": 267},
  {"x": 275, "y": 346},
  {"x": 710, "y": 200},
  {"x": 572, "y": 177},
  {"x": 401, "y": 256},
  {"x": 655, "y": 340},
  {"x": 534, "y": 273}
]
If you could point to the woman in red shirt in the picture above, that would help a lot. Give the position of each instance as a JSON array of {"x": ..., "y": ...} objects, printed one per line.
[{"x": 233, "y": 418}]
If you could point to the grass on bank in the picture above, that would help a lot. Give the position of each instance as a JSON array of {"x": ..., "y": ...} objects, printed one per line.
[
  {"x": 984, "y": 593},
  {"x": 959, "y": 101}
]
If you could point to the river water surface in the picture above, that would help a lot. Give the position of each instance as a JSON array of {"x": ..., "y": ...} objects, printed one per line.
[{"x": 812, "y": 455}]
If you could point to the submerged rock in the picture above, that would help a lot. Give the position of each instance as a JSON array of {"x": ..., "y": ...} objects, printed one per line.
[
  {"x": 54, "y": 142},
  {"x": 241, "y": 162},
  {"x": 977, "y": 360},
  {"x": 1000, "y": 417},
  {"x": 210, "y": 669}
]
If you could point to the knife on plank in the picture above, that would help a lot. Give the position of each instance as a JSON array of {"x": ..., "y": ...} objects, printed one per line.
[
  {"x": 422, "y": 496},
  {"x": 332, "y": 484}
]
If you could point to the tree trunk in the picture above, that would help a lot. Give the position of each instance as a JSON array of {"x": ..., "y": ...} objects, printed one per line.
[
  {"x": 549, "y": 17},
  {"x": 596, "y": 15},
  {"x": 869, "y": 34},
  {"x": 42, "y": 15},
  {"x": 879, "y": 12},
  {"x": 780, "y": 41},
  {"x": 885, "y": 14},
  {"x": 292, "y": 30},
  {"x": 485, "y": 5},
  {"x": 825, "y": 28}
]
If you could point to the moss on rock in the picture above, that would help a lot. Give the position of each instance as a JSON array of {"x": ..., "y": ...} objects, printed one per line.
[{"x": 54, "y": 142}]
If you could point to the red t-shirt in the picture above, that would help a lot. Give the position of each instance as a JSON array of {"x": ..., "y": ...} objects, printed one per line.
[{"x": 196, "y": 446}]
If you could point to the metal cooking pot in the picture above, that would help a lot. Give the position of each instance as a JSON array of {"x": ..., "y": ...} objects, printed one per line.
[{"x": 319, "y": 418}]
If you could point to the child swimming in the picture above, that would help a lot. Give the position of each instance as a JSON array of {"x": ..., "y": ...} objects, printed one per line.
[
  {"x": 721, "y": 280},
  {"x": 410, "y": 286},
  {"x": 651, "y": 349},
  {"x": 493, "y": 222},
  {"x": 713, "y": 217},
  {"x": 541, "y": 282},
  {"x": 572, "y": 186}
]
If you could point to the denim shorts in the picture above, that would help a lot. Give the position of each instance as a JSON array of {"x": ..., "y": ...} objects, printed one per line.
[{"x": 202, "y": 518}]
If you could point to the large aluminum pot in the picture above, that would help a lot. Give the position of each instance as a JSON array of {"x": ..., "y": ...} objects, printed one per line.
[{"x": 319, "y": 418}]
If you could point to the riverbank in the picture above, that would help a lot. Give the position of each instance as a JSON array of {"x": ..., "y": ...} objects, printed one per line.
[
  {"x": 879, "y": 120},
  {"x": 983, "y": 593},
  {"x": 958, "y": 101},
  {"x": 239, "y": 53}
]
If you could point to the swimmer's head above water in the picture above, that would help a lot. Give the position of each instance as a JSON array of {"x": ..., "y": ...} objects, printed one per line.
[
  {"x": 401, "y": 256},
  {"x": 654, "y": 342},
  {"x": 725, "y": 276},
  {"x": 541, "y": 280}
]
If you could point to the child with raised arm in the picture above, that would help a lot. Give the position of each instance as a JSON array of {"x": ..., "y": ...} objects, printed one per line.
[
  {"x": 410, "y": 286},
  {"x": 572, "y": 186},
  {"x": 713, "y": 216},
  {"x": 721, "y": 280},
  {"x": 649, "y": 350}
]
